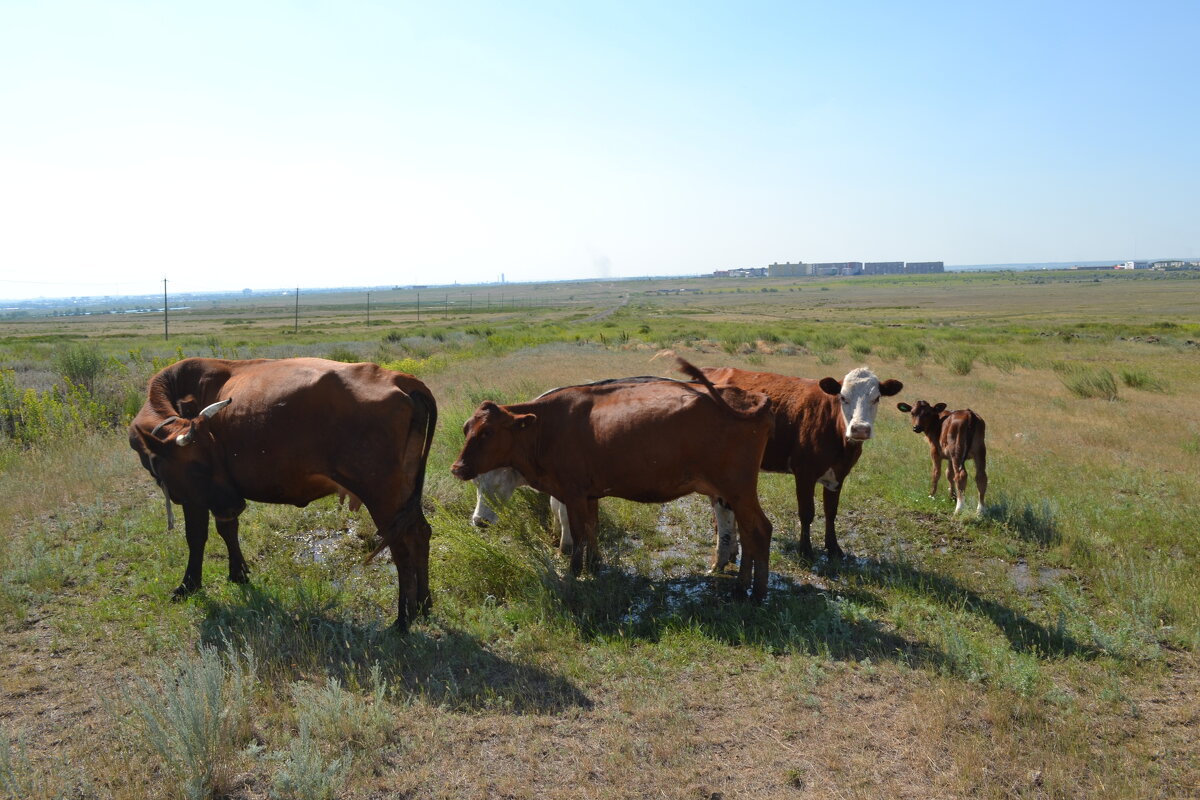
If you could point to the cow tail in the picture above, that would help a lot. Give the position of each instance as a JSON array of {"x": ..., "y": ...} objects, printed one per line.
[
  {"x": 410, "y": 513},
  {"x": 696, "y": 374}
]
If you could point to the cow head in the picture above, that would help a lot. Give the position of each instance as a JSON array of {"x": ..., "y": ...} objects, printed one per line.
[
  {"x": 859, "y": 394},
  {"x": 492, "y": 434},
  {"x": 924, "y": 416},
  {"x": 177, "y": 451}
]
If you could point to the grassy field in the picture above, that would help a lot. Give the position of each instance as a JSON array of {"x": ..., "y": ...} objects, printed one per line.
[{"x": 1047, "y": 649}]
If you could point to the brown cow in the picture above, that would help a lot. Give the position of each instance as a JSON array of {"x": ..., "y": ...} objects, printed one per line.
[
  {"x": 820, "y": 427},
  {"x": 956, "y": 436},
  {"x": 649, "y": 440},
  {"x": 216, "y": 433}
]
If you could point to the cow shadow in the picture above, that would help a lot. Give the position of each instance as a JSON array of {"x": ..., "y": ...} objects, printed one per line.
[
  {"x": 1024, "y": 634},
  {"x": 829, "y": 614},
  {"x": 297, "y": 638},
  {"x": 796, "y": 617}
]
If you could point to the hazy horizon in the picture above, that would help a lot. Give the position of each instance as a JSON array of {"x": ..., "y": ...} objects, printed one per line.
[{"x": 276, "y": 145}]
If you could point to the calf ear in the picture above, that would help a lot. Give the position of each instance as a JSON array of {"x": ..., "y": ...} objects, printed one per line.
[
  {"x": 830, "y": 386},
  {"x": 890, "y": 387},
  {"x": 905, "y": 407},
  {"x": 939, "y": 408},
  {"x": 522, "y": 421}
]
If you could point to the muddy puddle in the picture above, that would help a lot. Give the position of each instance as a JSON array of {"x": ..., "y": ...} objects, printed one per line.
[{"x": 1029, "y": 579}]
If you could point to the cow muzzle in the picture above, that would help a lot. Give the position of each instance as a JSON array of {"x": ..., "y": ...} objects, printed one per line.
[
  {"x": 462, "y": 471},
  {"x": 859, "y": 433},
  {"x": 918, "y": 429}
]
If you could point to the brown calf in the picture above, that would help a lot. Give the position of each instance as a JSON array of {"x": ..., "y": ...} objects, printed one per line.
[{"x": 956, "y": 436}]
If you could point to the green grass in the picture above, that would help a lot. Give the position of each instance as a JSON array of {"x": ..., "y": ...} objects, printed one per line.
[{"x": 1033, "y": 639}]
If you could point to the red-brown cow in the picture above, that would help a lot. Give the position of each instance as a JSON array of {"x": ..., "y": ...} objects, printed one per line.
[
  {"x": 649, "y": 440},
  {"x": 956, "y": 436},
  {"x": 216, "y": 433},
  {"x": 820, "y": 427}
]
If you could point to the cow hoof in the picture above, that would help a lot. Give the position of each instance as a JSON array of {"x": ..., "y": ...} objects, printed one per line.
[
  {"x": 183, "y": 592},
  {"x": 239, "y": 577}
]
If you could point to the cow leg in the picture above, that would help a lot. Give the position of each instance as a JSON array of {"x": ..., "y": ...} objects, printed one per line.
[
  {"x": 582, "y": 515},
  {"x": 424, "y": 600},
  {"x": 952, "y": 478},
  {"x": 756, "y": 547},
  {"x": 195, "y": 530},
  {"x": 726, "y": 534},
  {"x": 564, "y": 523},
  {"x": 408, "y": 584},
  {"x": 228, "y": 528},
  {"x": 806, "y": 508},
  {"x": 831, "y": 498}
]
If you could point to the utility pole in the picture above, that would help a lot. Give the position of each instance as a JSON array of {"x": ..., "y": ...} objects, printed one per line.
[
  {"x": 418, "y": 306},
  {"x": 166, "y": 328},
  {"x": 296, "y": 322},
  {"x": 368, "y": 309}
]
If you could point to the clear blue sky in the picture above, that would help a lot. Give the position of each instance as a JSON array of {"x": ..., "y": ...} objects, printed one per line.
[{"x": 225, "y": 145}]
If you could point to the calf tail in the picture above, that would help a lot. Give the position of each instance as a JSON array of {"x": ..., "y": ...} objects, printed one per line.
[
  {"x": 696, "y": 374},
  {"x": 410, "y": 513}
]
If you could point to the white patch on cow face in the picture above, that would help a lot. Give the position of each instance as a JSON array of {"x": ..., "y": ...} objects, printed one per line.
[
  {"x": 496, "y": 486},
  {"x": 860, "y": 403}
]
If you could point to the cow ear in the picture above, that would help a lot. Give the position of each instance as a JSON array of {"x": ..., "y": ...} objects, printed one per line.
[
  {"x": 905, "y": 407},
  {"x": 830, "y": 386},
  {"x": 939, "y": 408},
  {"x": 522, "y": 421},
  {"x": 890, "y": 387},
  {"x": 487, "y": 405}
]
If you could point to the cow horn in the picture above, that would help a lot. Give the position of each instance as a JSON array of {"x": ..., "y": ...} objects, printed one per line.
[
  {"x": 170, "y": 512},
  {"x": 209, "y": 411},
  {"x": 162, "y": 424},
  {"x": 184, "y": 439}
]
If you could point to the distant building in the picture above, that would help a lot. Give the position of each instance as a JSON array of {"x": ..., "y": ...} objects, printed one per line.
[
  {"x": 883, "y": 268},
  {"x": 838, "y": 268},
  {"x": 923, "y": 267},
  {"x": 1135, "y": 265},
  {"x": 741, "y": 272},
  {"x": 787, "y": 270}
]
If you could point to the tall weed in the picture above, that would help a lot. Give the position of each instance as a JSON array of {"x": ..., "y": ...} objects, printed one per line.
[
  {"x": 1088, "y": 383},
  {"x": 195, "y": 716},
  {"x": 306, "y": 774}
]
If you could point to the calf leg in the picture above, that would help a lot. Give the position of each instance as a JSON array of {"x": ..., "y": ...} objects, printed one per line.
[
  {"x": 937, "y": 473},
  {"x": 981, "y": 479},
  {"x": 727, "y": 535},
  {"x": 195, "y": 530},
  {"x": 958, "y": 482},
  {"x": 228, "y": 528}
]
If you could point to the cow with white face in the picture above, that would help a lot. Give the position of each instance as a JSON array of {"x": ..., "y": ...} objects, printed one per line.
[
  {"x": 820, "y": 427},
  {"x": 497, "y": 487}
]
